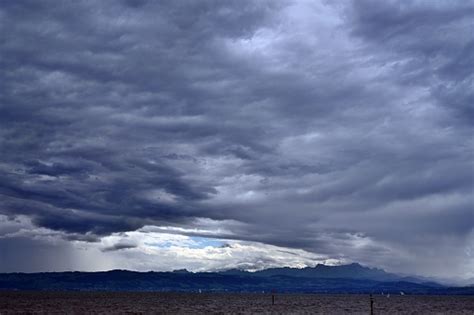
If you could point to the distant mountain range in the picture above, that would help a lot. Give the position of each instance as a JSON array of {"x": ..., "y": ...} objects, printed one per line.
[
  {"x": 352, "y": 271},
  {"x": 352, "y": 278}
]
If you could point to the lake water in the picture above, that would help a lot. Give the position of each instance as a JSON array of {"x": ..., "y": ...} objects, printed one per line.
[{"x": 185, "y": 303}]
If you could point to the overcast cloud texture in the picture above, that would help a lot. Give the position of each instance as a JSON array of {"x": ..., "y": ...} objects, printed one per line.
[{"x": 156, "y": 135}]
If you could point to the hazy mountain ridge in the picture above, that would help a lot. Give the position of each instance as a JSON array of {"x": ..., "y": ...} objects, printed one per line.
[
  {"x": 352, "y": 278},
  {"x": 351, "y": 271}
]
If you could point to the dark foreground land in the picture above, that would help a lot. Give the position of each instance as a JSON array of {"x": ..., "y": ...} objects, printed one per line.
[{"x": 221, "y": 303}]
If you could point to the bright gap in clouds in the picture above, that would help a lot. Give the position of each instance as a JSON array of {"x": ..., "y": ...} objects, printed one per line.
[
  {"x": 160, "y": 251},
  {"x": 143, "y": 250}
]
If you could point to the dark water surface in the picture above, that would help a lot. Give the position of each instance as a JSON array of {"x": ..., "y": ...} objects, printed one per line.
[{"x": 189, "y": 303}]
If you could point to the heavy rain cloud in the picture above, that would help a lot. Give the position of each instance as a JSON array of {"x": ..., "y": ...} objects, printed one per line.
[{"x": 341, "y": 130}]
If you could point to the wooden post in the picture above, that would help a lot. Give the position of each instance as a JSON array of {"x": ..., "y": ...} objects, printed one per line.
[
  {"x": 371, "y": 305},
  {"x": 273, "y": 299}
]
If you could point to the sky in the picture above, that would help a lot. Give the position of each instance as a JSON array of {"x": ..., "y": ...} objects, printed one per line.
[{"x": 208, "y": 135}]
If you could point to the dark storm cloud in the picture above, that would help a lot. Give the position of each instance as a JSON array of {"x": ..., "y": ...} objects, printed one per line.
[
  {"x": 341, "y": 129},
  {"x": 119, "y": 246},
  {"x": 435, "y": 42}
]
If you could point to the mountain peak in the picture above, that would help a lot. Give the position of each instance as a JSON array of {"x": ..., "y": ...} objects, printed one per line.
[{"x": 185, "y": 271}]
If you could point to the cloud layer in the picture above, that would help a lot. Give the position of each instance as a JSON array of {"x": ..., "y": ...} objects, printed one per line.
[{"x": 340, "y": 130}]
